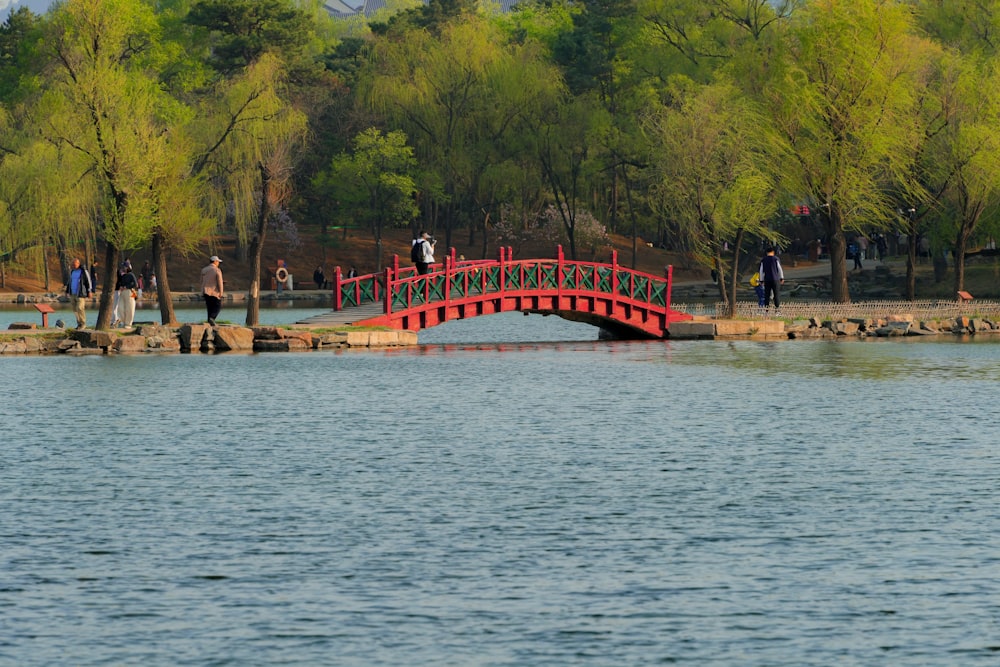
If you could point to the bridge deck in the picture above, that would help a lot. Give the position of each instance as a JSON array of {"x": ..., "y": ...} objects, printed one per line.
[{"x": 349, "y": 315}]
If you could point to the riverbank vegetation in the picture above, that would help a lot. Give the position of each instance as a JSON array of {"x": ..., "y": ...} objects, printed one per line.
[{"x": 707, "y": 127}]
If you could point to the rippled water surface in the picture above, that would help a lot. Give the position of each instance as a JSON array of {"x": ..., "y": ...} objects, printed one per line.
[{"x": 488, "y": 500}]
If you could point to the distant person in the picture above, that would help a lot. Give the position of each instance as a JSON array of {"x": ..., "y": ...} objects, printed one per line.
[
  {"x": 93, "y": 276},
  {"x": 773, "y": 278},
  {"x": 758, "y": 289},
  {"x": 353, "y": 273},
  {"x": 146, "y": 273},
  {"x": 863, "y": 245},
  {"x": 212, "y": 288},
  {"x": 128, "y": 286},
  {"x": 116, "y": 304},
  {"x": 854, "y": 251},
  {"x": 422, "y": 252},
  {"x": 79, "y": 287},
  {"x": 883, "y": 247},
  {"x": 319, "y": 277}
]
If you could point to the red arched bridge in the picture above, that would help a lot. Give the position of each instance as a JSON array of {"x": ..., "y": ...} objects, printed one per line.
[{"x": 625, "y": 302}]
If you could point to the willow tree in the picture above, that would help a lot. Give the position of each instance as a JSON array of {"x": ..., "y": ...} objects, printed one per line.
[
  {"x": 250, "y": 130},
  {"x": 374, "y": 182},
  {"x": 961, "y": 156},
  {"x": 708, "y": 154},
  {"x": 459, "y": 94},
  {"x": 969, "y": 146},
  {"x": 102, "y": 102},
  {"x": 841, "y": 100}
]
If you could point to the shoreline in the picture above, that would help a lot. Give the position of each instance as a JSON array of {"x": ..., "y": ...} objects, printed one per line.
[{"x": 203, "y": 338}]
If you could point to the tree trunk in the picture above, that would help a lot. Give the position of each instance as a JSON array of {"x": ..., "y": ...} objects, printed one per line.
[
  {"x": 911, "y": 261},
  {"x": 163, "y": 296},
  {"x": 720, "y": 282},
  {"x": 45, "y": 266},
  {"x": 108, "y": 288},
  {"x": 961, "y": 246},
  {"x": 737, "y": 249},
  {"x": 838, "y": 256},
  {"x": 486, "y": 239},
  {"x": 257, "y": 249}
]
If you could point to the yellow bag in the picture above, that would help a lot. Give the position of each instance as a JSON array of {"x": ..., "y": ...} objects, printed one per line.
[{"x": 755, "y": 279}]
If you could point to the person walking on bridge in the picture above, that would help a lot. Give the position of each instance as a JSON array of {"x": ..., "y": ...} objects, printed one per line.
[
  {"x": 423, "y": 252},
  {"x": 773, "y": 277}
]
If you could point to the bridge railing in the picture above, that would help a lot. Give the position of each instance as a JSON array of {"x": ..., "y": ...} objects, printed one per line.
[
  {"x": 357, "y": 291},
  {"x": 465, "y": 279},
  {"x": 402, "y": 288}
]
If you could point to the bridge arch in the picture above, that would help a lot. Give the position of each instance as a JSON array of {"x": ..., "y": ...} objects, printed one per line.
[{"x": 628, "y": 303}]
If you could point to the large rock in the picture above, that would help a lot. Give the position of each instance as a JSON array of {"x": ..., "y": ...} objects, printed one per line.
[
  {"x": 846, "y": 328},
  {"x": 164, "y": 343},
  {"x": 304, "y": 339},
  {"x": 747, "y": 328},
  {"x": 338, "y": 338},
  {"x": 688, "y": 329},
  {"x": 91, "y": 339},
  {"x": 13, "y": 347},
  {"x": 233, "y": 339},
  {"x": 130, "y": 344},
  {"x": 192, "y": 336},
  {"x": 267, "y": 333}
]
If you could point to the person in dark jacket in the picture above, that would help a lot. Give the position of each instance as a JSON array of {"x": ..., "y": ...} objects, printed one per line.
[
  {"x": 773, "y": 277},
  {"x": 79, "y": 288}
]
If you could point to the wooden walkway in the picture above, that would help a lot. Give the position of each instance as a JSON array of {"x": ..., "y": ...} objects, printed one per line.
[{"x": 349, "y": 315}]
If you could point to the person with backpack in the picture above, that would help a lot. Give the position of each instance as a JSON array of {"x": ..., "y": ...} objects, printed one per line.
[
  {"x": 422, "y": 252},
  {"x": 773, "y": 277}
]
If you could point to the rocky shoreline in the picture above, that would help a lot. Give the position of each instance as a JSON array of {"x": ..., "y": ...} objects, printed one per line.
[
  {"x": 707, "y": 328},
  {"x": 188, "y": 338}
]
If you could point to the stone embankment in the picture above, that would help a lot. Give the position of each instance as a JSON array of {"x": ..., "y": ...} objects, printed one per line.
[
  {"x": 882, "y": 327},
  {"x": 195, "y": 338},
  {"x": 22, "y": 298}
]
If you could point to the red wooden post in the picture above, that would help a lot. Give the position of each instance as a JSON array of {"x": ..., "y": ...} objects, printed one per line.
[
  {"x": 560, "y": 262},
  {"x": 387, "y": 307},
  {"x": 614, "y": 281},
  {"x": 451, "y": 253},
  {"x": 338, "y": 301},
  {"x": 670, "y": 284},
  {"x": 503, "y": 272},
  {"x": 449, "y": 265}
]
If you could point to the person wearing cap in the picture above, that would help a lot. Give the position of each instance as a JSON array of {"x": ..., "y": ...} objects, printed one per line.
[{"x": 211, "y": 288}]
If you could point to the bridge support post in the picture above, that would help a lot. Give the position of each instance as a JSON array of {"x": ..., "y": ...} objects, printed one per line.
[
  {"x": 614, "y": 282},
  {"x": 387, "y": 297},
  {"x": 338, "y": 299},
  {"x": 670, "y": 288}
]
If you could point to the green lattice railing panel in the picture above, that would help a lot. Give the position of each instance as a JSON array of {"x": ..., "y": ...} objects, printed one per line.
[
  {"x": 358, "y": 292},
  {"x": 605, "y": 278}
]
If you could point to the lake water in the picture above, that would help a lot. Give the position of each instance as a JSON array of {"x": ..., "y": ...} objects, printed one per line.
[{"x": 510, "y": 492}]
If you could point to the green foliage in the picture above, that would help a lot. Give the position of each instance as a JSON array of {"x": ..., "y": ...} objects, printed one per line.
[
  {"x": 374, "y": 182},
  {"x": 245, "y": 30}
]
